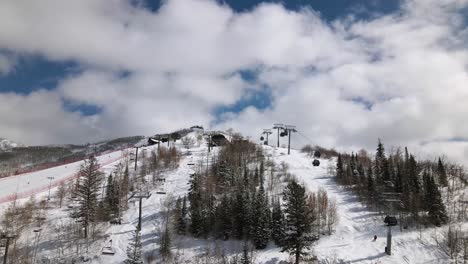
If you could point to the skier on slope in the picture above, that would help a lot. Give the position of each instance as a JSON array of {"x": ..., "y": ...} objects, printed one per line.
[{"x": 375, "y": 238}]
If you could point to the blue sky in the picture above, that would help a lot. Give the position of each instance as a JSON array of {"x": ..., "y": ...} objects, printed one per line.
[
  {"x": 34, "y": 72},
  {"x": 345, "y": 72}
]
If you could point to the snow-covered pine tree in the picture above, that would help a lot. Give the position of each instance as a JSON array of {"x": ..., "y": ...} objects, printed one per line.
[
  {"x": 134, "y": 254},
  {"x": 261, "y": 222},
  {"x": 87, "y": 191},
  {"x": 298, "y": 221}
]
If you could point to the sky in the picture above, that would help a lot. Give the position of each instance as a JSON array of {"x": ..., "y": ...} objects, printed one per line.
[{"x": 345, "y": 72}]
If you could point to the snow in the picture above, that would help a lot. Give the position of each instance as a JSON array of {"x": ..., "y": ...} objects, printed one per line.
[
  {"x": 24, "y": 185},
  {"x": 351, "y": 243},
  {"x": 357, "y": 225}
]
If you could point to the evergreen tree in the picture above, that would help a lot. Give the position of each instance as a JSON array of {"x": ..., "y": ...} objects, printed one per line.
[
  {"x": 370, "y": 183},
  {"x": 399, "y": 180},
  {"x": 298, "y": 221},
  {"x": 381, "y": 166},
  {"x": 436, "y": 208},
  {"x": 261, "y": 223},
  {"x": 240, "y": 215},
  {"x": 194, "y": 196},
  {"x": 181, "y": 220},
  {"x": 339, "y": 169},
  {"x": 87, "y": 192},
  {"x": 413, "y": 176},
  {"x": 261, "y": 172},
  {"x": 277, "y": 224},
  {"x": 442, "y": 173},
  {"x": 223, "y": 218},
  {"x": 134, "y": 255}
]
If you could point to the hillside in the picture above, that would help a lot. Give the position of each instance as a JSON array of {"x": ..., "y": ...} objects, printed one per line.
[{"x": 346, "y": 237}]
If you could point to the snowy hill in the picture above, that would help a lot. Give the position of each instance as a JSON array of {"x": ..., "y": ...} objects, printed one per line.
[{"x": 349, "y": 242}]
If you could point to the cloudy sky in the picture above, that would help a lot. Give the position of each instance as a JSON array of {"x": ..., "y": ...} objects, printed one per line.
[{"x": 345, "y": 72}]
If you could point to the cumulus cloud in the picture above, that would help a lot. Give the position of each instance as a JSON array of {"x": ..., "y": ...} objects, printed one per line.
[{"x": 401, "y": 77}]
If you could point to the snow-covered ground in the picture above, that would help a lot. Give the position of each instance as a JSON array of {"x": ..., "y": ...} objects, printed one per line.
[
  {"x": 24, "y": 185},
  {"x": 351, "y": 243}
]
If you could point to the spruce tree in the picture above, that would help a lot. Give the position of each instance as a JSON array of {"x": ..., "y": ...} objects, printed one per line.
[
  {"x": 442, "y": 173},
  {"x": 223, "y": 218},
  {"x": 181, "y": 218},
  {"x": 298, "y": 221},
  {"x": 370, "y": 183},
  {"x": 87, "y": 191},
  {"x": 239, "y": 215},
  {"x": 194, "y": 196},
  {"x": 261, "y": 223},
  {"x": 277, "y": 224},
  {"x": 339, "y": 169},
  {"x": 134, "y": 255},
  {"x": 436, "y": 208}
]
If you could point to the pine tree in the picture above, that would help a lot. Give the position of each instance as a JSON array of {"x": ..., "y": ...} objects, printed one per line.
[
  {"x": 277, "y": 224},
  {"x": 181, "y": 219},
  {"x": 298, "y": 221},
  {"x": 370, "y": 183},
  {"x": 194, "y": 196},
  {"x": 399, "y": 180},
  {"x": 239, "y": 215},
  {"x": 413, "y": 177},
  {"x": 87, "y": 192},
  {"x": 134, "y": 255},
  {"x": 223, "y": 218},
  {"x": 442, "y": 173},
  {"x": 339, "y": 169},
  {"x": 261, "y": 223},
  {"x": 436, "y": 208},
  {"x": 381, "y": 166}
]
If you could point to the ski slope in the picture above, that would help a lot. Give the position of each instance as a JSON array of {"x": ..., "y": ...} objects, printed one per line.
[
  {"x": 24, "y": 185},
  {"x": 352, "y": 241}
]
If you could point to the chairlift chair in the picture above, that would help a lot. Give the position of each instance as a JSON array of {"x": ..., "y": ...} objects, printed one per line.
[
  {"x": 108, "y": 251},
  {"x": 390, "y": 221},
  {"x": 262, "y": 138}
]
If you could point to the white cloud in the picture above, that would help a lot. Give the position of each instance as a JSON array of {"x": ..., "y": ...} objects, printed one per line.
[{"x": 401, "y": 77}]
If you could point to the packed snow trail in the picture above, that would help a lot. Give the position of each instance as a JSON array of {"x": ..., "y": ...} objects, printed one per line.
[
  {"x": 25, "y": 185},
  {"x": 352, "y": 241}
]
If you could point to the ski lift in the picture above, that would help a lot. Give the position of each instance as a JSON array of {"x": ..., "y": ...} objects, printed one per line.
[
  {"x": 108, "y": 250},
  {"x": 262, "y": 138},
  {"x": 284, "y": 133},
  {"x": 317, "y": 154},
  {"x": 316, "y": 162},
  {"x": 390, "y": 221},
  {"x": 161, "y": 191}
]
